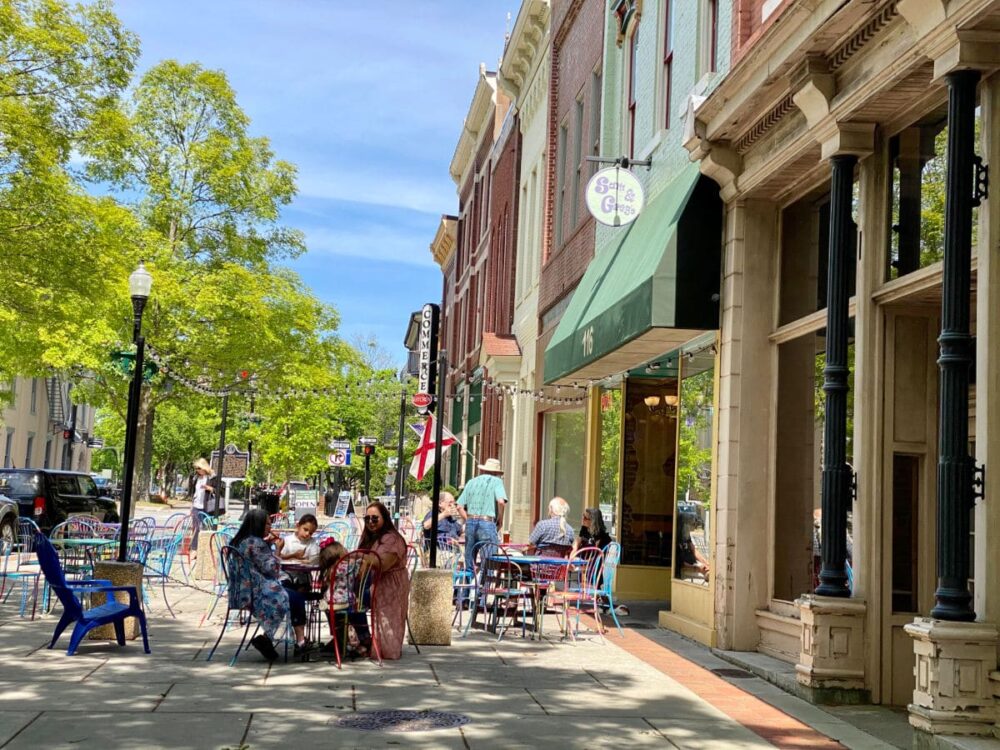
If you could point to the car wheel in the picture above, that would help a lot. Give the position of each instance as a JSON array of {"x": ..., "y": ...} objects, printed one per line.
[{"x": 8, "y": 534}]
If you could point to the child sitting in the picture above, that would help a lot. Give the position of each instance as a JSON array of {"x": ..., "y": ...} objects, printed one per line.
[
  {"x": 339, "y": 600},
  {"x": 299, "y": 547}
]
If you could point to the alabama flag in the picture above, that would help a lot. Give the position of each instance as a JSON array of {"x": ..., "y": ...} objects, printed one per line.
[{"x": 423, "y": 457}]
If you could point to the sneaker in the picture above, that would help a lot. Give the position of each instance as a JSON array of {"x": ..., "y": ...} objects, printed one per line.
[
  {"x": 303, "y": 648},
  {"x": 263, "y": 644},
  {"x": 621, "y": 609},
  {"x": 327, "y": 649}
]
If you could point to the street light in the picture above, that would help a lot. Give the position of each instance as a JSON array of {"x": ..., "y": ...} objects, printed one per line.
[{"x": 140, "y": 282}]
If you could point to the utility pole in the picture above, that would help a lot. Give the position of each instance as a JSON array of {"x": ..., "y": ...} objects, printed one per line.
[
  {"x": 438, "y": 437},
  {"x": 222, "y": 450},
  {"x": 400, "y": 477}
]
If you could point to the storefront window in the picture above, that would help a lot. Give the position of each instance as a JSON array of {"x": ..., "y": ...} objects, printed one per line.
[
  {"x": 611, "y": 430},
  {"x": 696, "y": 414},
  {"x": 563, "y": 459},
  {"x": 649, "y": 466},
  {"x": 799, "y": 463},
  {"x": 918, "y": 155}
]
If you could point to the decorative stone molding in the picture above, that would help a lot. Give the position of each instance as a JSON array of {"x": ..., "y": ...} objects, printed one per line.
[
  {"x": 833, "y": 643},
  {"x": 523, "y": 47},
  {"x": 841, "y": 138},
  {"x": 626, "y": 12},
  {"x": 922, "y": 15},
  {"x": 717, "y": 160},
  {"x": 966, "y": 49},
  {"x": 813, "y": 87},
  {"x": 953, "y": 693}
]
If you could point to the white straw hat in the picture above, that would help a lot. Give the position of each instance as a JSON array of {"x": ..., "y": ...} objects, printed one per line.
[{"x": 492, "y": 465}]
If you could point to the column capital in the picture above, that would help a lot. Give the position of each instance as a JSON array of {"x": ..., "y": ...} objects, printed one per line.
[
  {"x": 922, "y": 15},
  {"x": 847, "y": 139},
  {"x": 965, "y": 49},
  {"x": 813, "y": 87},
  {"x": 717, "y": 161}
]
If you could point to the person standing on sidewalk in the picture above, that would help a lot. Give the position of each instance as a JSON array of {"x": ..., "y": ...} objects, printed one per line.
[
  {"x": 202, "y": 488},
  {"x": 482, "y": 505}
]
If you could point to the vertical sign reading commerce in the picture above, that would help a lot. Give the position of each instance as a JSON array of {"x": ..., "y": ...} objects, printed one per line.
[{"x": 427, "y": 352}]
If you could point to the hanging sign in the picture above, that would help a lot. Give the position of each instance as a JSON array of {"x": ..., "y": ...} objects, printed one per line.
[
  {"x": 427, "y": 352},
  {"x": 422, "y": 400},
  {"x": 615, "y": 196}
]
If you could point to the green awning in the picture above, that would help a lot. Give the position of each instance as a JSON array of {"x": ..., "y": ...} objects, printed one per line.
[{"x": 642, "y": 282}]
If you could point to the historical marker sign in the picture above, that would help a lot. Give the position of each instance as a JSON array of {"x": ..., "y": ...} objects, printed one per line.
[{"x": 234, "y": 462}]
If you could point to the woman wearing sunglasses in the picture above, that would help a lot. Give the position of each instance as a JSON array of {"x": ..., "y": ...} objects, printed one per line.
[{"x": 393, "y": 597}]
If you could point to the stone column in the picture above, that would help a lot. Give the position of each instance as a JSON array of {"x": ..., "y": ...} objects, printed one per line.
[
  {"x": 953, "y": 694},
  {"x": 832, "y": 661}
]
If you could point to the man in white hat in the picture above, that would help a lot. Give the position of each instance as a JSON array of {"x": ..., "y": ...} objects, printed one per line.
[
  {"x": 482, "y": 505},
  {"x": 203, "y": 486}
]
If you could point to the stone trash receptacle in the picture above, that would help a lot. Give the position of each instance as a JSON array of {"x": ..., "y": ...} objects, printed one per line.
[
  {"x": 431, "y": 609},
  {"x": 120, "y": 574}
]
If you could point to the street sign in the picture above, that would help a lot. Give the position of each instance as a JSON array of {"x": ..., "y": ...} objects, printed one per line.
[
  {"x": 340, "y": 445},
  {"x": 392, "y": 462},
  {"x": 368, "y": 441},
  {"x": 614, "y": 196},
  {"x": 422, "y": 400},
  {"x": 339, "y": 457},
  {"x": 427, "y": 352}
]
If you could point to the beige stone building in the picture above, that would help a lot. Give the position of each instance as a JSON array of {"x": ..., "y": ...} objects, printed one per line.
[
  {"x": 34, "y": 424},
  {"x": 833, "y": 138}
]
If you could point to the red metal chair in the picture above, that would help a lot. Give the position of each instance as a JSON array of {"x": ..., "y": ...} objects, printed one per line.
[{"x": 581, "y": 589}]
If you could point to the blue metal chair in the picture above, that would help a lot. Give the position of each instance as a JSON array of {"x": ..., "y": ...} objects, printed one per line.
[
  {"x": 481, "y": 553},
  {"x": 159, "y": 563},
  {"x": 20, "y": 567},
  {"x": 612, "y": 557},
  {"x": 112, "y": 612},
  {"x": 220, "y": 581}
]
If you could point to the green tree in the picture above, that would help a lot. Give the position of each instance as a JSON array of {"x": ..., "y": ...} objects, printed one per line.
[{"x": 62, "y": 68}]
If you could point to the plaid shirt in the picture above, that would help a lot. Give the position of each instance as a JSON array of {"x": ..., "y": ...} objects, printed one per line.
[{"x": 548, "y": 533}]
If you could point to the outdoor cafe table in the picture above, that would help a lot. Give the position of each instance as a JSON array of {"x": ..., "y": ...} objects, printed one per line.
[
  {"x": 539, "y": 588},
  {"x": 79, "y": 553}
]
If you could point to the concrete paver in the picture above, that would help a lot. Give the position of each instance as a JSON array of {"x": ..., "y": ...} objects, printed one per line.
[{"x": 515, "y": 693}]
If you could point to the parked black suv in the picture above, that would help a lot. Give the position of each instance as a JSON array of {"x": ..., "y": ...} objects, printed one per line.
[{"x": 50, "y": 497}]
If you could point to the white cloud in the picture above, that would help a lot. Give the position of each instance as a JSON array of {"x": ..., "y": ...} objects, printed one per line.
[
  {"x": 430, "y": 196},
  {"x": 371, "y": 242}
]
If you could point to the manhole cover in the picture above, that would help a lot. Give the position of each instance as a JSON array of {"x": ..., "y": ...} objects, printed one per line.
[
  {"x": 639, "y": 626},
  {"x": 402, "y": 721},
  {"x": 736, "y": 674}
]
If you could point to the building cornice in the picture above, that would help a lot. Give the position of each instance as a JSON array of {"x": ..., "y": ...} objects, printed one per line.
[
  {"x": 443, "y": 244},
  {"x": 527, "y": 42},
  {"x": 476, "y": 120}
]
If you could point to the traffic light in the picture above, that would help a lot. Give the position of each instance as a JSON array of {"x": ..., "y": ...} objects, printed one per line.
[
  {"x": 67, "y": 434},
  {"x": 367, "y": 450}
]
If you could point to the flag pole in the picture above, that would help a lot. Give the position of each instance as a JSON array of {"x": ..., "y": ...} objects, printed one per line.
[{"x": 442, "y": 370}]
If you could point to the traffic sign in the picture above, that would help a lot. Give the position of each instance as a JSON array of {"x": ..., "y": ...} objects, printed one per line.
[
  {"x": 339, "y": 457},
  {"x": 422, "y": 400},
  {"x": 368, "y": 441},
  {"x": 340, "y": 445}
]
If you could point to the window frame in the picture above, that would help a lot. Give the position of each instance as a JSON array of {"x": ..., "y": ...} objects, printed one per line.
[
  {"x": 631, "y": 86},
  {"x": 667, "y": 61}
]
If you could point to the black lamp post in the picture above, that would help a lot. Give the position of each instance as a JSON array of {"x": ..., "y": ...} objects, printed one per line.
[{"x": 139, "y": 284}]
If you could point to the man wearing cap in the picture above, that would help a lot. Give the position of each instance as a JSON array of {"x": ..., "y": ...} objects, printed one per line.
[
  {"x": 203, "y": 486},
  {"x": 481, "y": 505}
]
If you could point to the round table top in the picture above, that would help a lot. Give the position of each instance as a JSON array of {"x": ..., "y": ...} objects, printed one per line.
[{"x": 83, "y": 542}]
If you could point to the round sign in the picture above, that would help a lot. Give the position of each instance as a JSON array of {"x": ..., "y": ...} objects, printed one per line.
[
  {"x": 337, "y": 458},
  {"x": 615, "y": 196},
  {"x": 422, "y": 400}
]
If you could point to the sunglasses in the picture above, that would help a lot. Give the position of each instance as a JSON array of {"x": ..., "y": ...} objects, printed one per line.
[{"x": 372, "y": 519}]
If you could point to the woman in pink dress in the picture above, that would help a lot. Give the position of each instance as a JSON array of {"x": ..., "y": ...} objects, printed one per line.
[{"x": 392, "y": 598}]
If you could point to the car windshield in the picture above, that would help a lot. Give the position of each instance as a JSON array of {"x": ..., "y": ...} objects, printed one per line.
[{"x": 16, "y": 484}]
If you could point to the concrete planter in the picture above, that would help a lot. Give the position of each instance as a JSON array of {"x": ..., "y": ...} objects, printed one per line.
[{"x": 431, "y": 609}]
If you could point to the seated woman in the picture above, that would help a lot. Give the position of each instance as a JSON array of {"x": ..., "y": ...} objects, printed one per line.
[
  {"x": 593, "y": 532},
  {"x": 261, "y": 585},
  {"x": 380, "y": 536},
  {"x": 691, "y": 564},
  {"x": 553, "y": 537}
]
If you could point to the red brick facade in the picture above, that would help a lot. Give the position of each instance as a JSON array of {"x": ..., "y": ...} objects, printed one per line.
[
  {"x": 500, "y": 265},
  {"x": 749, "y": 23},
  {"x": 574, "y": 103}
]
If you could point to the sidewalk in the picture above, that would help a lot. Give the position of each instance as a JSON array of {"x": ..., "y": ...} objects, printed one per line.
[{"x": 650, "y": 689}]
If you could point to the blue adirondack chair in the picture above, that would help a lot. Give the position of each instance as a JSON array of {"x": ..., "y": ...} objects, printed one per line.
[{"x": 111, "y": 613}]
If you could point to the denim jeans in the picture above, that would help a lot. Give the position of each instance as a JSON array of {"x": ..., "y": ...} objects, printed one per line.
[{"x": 477, "y": 531}]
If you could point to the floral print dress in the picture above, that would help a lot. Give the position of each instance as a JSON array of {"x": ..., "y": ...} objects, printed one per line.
[
  {"x": 256, "y": 583},
  {"x": 392, "y": 597}
]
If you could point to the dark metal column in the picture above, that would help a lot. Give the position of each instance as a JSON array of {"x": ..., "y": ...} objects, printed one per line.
[
  {"x": 836, "y": 487},
  {"x": 954, "y": 487}
]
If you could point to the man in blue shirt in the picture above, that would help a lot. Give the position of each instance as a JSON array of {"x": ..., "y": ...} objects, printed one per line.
[
  {"x": 482, "y": 505},
  {"x": 449, "y": 525}
]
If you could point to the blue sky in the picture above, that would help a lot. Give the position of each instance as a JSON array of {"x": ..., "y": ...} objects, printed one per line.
[{"x": 367, "y": 99}]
